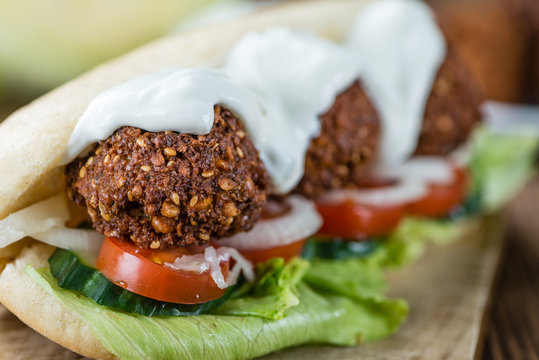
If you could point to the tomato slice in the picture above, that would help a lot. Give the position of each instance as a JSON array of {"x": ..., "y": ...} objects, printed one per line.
[
  {"x": 142, "y": 272},
  {"x": 286, "y": 252},
  {"x": 441, "y": 199},
  {"x": 353, "y": 220}
]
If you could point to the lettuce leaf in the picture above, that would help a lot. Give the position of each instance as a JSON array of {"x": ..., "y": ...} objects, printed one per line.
[
  {"x": 360, "y": 279},
  {"x": 500, "y": 164},
  {"x": 318, "y": 318},
  {"x": 271, "y": 294},
  {"x": 408, "y": 242}
]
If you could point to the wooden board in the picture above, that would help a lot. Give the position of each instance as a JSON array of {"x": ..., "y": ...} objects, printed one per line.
[{"x": 447, "y": 290}]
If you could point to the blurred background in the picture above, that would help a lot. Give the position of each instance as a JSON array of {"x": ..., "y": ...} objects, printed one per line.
[{"x": 45, "y": 43}]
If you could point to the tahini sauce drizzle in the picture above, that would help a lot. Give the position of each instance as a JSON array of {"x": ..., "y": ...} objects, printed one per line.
[{"x": 278, "y": 82}]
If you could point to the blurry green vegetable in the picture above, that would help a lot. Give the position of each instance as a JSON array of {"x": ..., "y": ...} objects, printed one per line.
[{"x": 44, "y": 43}]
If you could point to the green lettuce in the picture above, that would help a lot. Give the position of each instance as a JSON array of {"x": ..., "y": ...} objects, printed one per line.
[
  {"x": 500, "y": 164},
  {"x": 360, "y": 279},
  {"x": 409, "y": 241},
  {"x": 272, "y": 293},
  {"x": 319, "y": 317}
]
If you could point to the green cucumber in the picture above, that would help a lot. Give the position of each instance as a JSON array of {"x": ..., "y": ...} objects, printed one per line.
[
  {"x": 469, "y": 207},
  {"x": 71, "y": 273},
  {"x": 337, "y": 248}
]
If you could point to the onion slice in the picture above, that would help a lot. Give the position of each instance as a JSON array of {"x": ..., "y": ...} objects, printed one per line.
[
  {"x": 37, "y": 218},
  {"x": 425, "y": 169},
  {"x": 300, "y": 222},
  {"x": 403, "y": 192},
  {"x": 211, "y": 260},
  {"x": 85, "y": 243}
]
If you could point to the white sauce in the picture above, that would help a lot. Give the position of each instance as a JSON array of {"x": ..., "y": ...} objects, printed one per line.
[
  {"x": 299, "y": 76},
  {"x": 281, "y": 81},
  {"x": 401, "y": 48},
  {"x": 182, "y": 100}
]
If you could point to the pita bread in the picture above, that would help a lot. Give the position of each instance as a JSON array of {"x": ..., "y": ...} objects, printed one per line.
[{"x": 41, "y": 310}]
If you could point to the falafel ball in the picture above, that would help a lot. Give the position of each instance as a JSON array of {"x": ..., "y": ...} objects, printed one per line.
[
  {"x": 348, "y": 140},
  {"x": 452, "y": 110},
  {"x": 168, "y": 189}
]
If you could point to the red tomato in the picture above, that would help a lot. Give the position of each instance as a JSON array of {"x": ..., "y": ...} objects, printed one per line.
[
  {"x": 440, "y": 199},
  {"x": 353, "y": 220},
  {"x": 286, "y": 252},
  {"x": 142, "y": 272}
]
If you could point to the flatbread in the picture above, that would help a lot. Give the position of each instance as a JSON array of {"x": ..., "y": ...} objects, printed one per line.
[{"x": 41, "y": 310}]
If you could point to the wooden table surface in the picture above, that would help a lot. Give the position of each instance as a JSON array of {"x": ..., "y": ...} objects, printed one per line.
[{"x": 513, "y": 329}]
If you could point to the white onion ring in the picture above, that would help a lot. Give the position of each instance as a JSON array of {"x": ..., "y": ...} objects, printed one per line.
[
  {"x": 211, "y": 260},
  {"x": 301, "y": 221},
  {"x": 403, "y": 192},
  {"x": 425, "y": 169}
]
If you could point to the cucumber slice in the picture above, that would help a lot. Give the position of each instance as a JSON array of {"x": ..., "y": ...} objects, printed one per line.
[
  {"x": 470, "y": 207},
  {"x": 72, "y": 274},
  {"x": 337, "y": 248}
]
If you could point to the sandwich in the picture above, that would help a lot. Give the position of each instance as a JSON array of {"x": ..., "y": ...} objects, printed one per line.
[{"x": 234, "y": 191}]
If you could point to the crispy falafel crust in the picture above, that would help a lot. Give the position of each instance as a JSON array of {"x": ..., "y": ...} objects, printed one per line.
[
  {"x": 169, "y": 189},
  {"x": 452, "y": 110},
  {"x": 348, "y": 140}
]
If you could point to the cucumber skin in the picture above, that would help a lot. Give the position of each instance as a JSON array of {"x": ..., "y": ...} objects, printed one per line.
[{"x": 72, "y": 274}]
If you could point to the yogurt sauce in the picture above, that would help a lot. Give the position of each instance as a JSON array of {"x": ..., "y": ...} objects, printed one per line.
[
  {"x": 182, "y": 100},
  {"x": 298, "y": 75},
  {"x": 281, "y": 80},
  {"x": 401, "y": 48},
  {"x": 295, "y": 75}
]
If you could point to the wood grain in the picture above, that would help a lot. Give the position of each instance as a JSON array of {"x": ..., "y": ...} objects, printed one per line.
[{"x": 514, "y": 321}]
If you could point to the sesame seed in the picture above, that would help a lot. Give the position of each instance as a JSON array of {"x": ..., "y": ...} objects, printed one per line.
[
  {"x": 121, "y": 182},
  {"x": 98, "y": 151},
  {"x": 106, "y": 159},
  {"x": 146, "y": 168},
  {"x": 90, "y": 161},
  {"x": 170, "y": 210},
  {"x": 204, "y": 236},
  {"x": 82, "y": 172},
  {"x": 241, "y": 134},
  {"x": 130, "y": 195},
  {"x": 230, "y": 209},
  {"x": 193, "y": 201},
  {"x": 175, "y": 198},
  {"x": 226, "y": 184},
  {"x": 240, "y": 152},
  {"x": 103, "y": 212},
  {"x": 162, "y": 225},
  {"x": 140, "y": 142},
  {"x": 170, "y": 163},
  {"x": 207, "y": 173},
  {"x": 116, "y": 158},
  {"x": 170, "y": 151},
  {"x": 155, "y": 245}
]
